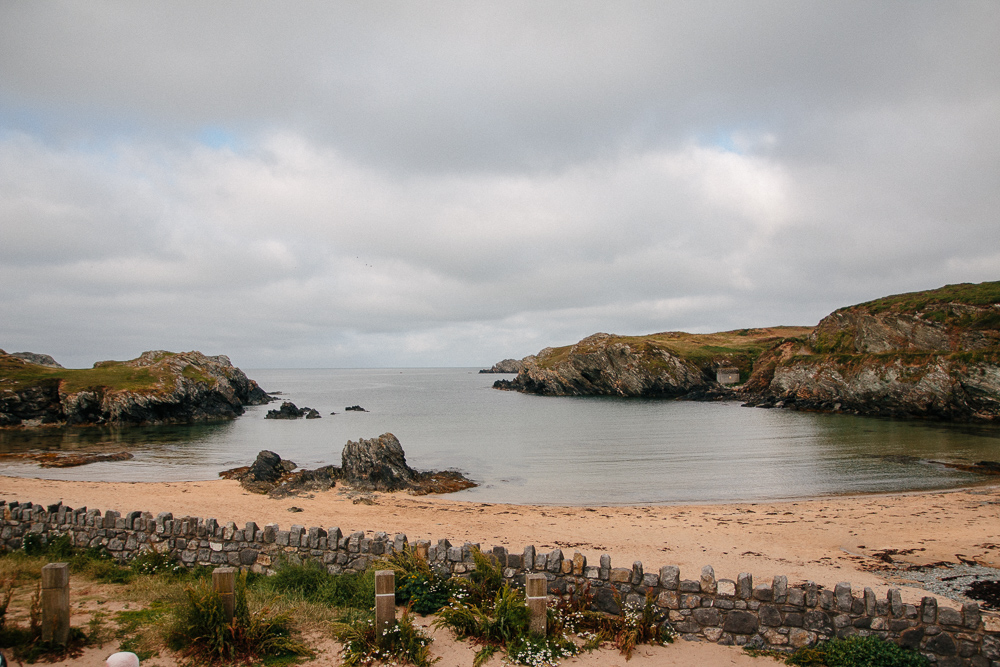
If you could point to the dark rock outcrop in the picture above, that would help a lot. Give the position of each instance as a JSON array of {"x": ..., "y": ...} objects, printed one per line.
[
  {"x": 39, "y": 359},
  {"x": 379, "y": 464},
  {"x": 607, "y": 365},
  {"x": 270, "y": 474},
  {"x": 355, "y": 408},
  {"x": 156, "y": 388},
  {"x": 929, "y": 354},
  {"x": 289, "y": 410},
  {"x": 505, "y": 366}
]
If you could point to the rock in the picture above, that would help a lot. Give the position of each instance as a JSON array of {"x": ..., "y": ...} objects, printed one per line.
[
  {"x": 505, "y": 366},
  {"x": 607, "y": 365},
  {"x": 39, "y": 359},
  {"x": 355, "y": 408},
  {"x": 54, "y": 460},
  {"x": 380, "y": 464},
  {"x": 312, "y": 414},
  {"x": 274, "y": 476},
  {"x": 932, "y": 354},
  {"x": 288, "y": 410},
  {"x": 305, "y": 481},
  {"x": 158, "y": 387}
]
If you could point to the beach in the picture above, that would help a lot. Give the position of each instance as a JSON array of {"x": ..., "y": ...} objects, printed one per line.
[{"x": 826, "y": 540}]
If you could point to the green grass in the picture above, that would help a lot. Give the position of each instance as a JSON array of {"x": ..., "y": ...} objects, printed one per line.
[
  {"x": 116, "y": 376},
  {"x": 857, "y": 652},
  {"x": 739, "y": 348},
  {"x": 973, "y": 294}
]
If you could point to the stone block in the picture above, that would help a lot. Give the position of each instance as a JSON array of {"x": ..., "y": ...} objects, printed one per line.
[
  {"x": 744, "y": 586},
  {"x": 281, "y": 538},
  {"x": 690, "y": 601},
  {"x": 668, "y": 600},
  {"x": 779, "y": 589},
  {"x": 769, "y": 615},
  {"x": 553, "y": 562},
  {"x": 528, "y": 557},
  {"x": 650, "y": 580},
  {"x": 689, "y": 586},
  {"x": 707, "y": 584},
  {"x": 579, "y": 563},
  {"x": 971, "y": 616},
  {"x": 895, "y": 602},
  {"x": 620, "y": 575},
  {"x": 798, "y": 638},
  {"x": 740, "y": 623},
  {"x": 637, "y": 573},
  {"x": 949, "y": 616},
  {"x": 762, "y": 592},
  {"x": 592, "y": 572},
  {"x": 707, "y": 616},
  {"x": 670, "y": 577}
]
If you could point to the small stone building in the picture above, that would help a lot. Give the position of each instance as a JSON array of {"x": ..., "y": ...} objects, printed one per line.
[{"x": 727, "y": 375}]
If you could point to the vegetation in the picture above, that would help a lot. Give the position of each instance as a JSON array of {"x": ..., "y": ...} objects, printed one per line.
[
  {"x": 16, "y": 373},
  {"x": 496, "y": 616},
  {"x": 972, "y": 294},
  {"x": 403, "y": 642},
  {"x": 739, "y": 348},
  {"x": 857, "y": 652},
  {"x": 200, "y": 629}
]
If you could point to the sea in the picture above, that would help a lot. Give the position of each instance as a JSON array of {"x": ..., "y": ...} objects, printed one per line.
[{"x": 525, "y": 449}]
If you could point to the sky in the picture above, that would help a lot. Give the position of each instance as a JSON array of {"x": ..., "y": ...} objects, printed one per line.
[{"x": 392, "y": 184}]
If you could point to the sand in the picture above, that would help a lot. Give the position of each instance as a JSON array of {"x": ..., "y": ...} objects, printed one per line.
[{"x": 826, "y": 540}]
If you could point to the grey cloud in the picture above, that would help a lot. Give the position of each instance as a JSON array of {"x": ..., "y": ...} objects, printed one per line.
[{"x": 389, "y": 183}]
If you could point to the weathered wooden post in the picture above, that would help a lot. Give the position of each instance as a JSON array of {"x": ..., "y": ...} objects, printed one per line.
[
  {"x": 534, "y": 585},
  {"x": 55, "y": 603},
  {"x": 385, "y": 600},
  {"x": 224, "y": 583}
]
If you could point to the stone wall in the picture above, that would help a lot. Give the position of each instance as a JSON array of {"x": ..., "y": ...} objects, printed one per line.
[{"x": 763, "y": 615}]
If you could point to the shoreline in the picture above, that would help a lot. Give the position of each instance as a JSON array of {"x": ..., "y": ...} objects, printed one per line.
[{"x": 827, "y": 539}]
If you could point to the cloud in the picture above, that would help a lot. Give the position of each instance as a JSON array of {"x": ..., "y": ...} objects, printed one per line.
[{"x": 381, "y": 184}]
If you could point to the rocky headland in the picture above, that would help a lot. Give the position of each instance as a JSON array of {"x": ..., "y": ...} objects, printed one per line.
[
  {"x": 669, "y": 364},
  {"x": 932, "y": 354},
  {"x": 158, "y": 387},
  {"x": 505, "y": 366}
]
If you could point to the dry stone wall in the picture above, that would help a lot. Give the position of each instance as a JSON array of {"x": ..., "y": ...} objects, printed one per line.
[{"x": 774, "y": 614}]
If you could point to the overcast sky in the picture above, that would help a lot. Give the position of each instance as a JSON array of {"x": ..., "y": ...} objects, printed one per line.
[{"x": 335, "y": 184}]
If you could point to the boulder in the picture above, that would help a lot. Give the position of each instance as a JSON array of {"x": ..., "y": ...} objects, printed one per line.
[
  {"x": 378, "y": 463},
  {"x": 288, "y": 410}
]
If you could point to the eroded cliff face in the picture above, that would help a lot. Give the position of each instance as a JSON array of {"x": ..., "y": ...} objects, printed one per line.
[
  {"x": 157, "y": 388},
  {"x": 606, "y": 365},
  {"x": 916, "y": 357}
]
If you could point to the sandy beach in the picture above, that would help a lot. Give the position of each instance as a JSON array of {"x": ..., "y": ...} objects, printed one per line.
[{"x": 826, "y": 540}]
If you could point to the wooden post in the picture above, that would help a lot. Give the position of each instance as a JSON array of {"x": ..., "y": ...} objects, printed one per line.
[
  {"x": 224, "y": 583},
  {"x": 534, "y": 585},
  {"x": 385, "y": 600},
  {"x": 55, "y": 603}
]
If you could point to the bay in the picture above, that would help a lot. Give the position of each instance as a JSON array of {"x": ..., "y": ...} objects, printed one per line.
[{"x": 542, "y": 450}]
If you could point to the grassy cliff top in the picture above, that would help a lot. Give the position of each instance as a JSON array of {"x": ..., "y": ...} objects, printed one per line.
[
  {"x": 116, "y": 375},
  {"x": 971, "y": 294},
  {"x": 738, "y": 348}
]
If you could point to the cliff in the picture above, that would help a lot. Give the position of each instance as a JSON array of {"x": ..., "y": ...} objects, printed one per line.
[
  {"x": 662, "y": 365},
  {"x": 924, "y": 354},
  {"x": 156, "y": 388}
]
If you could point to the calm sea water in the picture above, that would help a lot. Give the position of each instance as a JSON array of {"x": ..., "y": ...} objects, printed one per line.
[{"x": 533, "y": 449}]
